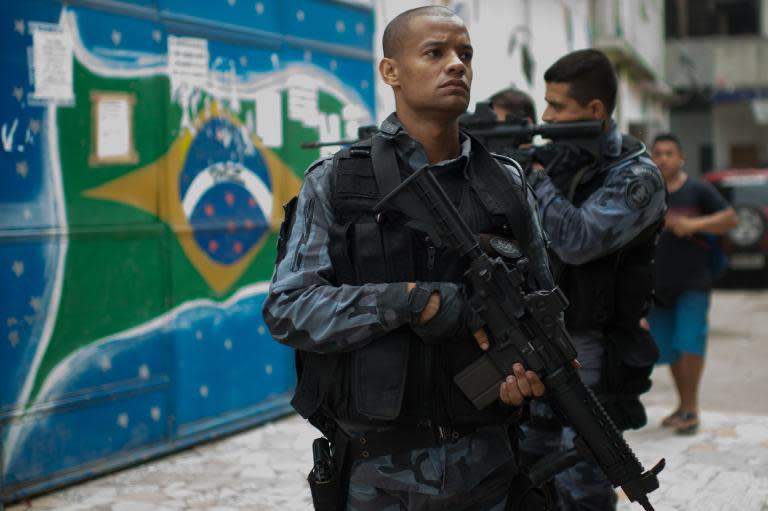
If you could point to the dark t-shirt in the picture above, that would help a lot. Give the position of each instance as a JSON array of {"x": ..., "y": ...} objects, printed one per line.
[{"x": 682, "y": 264}]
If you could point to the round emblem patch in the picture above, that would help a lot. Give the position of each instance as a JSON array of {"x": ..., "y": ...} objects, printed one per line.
[
  {"x": 639, "y": 193},
  {"x": 505, "y": 247}
]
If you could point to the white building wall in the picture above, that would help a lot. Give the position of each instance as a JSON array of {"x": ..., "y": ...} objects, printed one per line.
[
  {"x": 638, "y": 23},
  {"x": 635, "y": 107},
  {"x": 764, "y": 18}
]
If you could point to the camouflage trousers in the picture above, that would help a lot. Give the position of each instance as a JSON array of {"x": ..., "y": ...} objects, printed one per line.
[
  {"x": 582, "y": 487},
  {"x": 473, "y": 473}
]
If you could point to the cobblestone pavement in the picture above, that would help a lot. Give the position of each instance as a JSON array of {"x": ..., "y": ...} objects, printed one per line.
[{"x": 722, "y": 468}]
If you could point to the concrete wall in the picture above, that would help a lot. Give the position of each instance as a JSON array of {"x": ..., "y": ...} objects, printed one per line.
[
  {"x": 694, "y": 128},
  {"x": 723, "y": 126},
  {"x": 719, "y": 62},
  {"x": 734, "y": 123}
]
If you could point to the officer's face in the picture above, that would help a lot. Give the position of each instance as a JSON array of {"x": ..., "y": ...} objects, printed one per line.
[
  {"x": 667, "y": 157},
  {"x": 561, "y": 107},
  {"x": 432, "y": 73}
]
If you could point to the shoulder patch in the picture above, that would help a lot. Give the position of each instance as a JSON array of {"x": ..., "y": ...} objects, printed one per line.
[
  {"x": 644, "y": 182},
  {"x": 317, "y": 163}
]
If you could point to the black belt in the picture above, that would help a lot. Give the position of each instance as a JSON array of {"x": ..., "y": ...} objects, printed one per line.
[{"x": 372, "y": 444}]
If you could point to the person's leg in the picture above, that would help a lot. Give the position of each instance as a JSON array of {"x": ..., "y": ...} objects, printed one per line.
[
  {"x": 363, "y": 495},
  {"x": 662, "y": 321},
  {"x": 584, "y": 486},
  {"x": 691, "y": 336},
  {"x": 491, "y": 494}
]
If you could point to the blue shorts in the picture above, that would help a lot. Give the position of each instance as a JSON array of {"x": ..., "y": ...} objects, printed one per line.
[{"x": 682, "y": 327}]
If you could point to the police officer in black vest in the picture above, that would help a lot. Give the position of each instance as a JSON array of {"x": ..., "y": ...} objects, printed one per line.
[
  {"x": 375, "y": 310},
  {"x": 602, "y": 214}
]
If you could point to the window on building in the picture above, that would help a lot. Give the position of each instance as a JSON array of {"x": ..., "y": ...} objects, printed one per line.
[{"x": 699, "y": 18}]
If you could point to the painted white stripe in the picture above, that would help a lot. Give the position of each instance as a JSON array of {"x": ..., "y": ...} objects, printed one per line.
[
  {"x": 154, "y": 324},
  {"x": 17, "y": 435},
  {"x": 111, "y": 68},
  {"x": 53, "y": 163},
  {"x": 204, "y": 181}
]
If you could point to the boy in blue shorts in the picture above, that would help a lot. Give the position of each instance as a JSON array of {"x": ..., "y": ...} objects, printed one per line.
[{"x": 683, "y": 277}]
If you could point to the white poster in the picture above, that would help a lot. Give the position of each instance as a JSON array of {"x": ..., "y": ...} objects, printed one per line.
[
  {"x": 187, "y": 62},
  {"x": 113, "y": 135},
  {"x": 52, "y": 53}
]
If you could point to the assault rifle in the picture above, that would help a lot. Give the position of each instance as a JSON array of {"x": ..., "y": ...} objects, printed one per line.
[
  {"x": 505, "y": 137},
  {"x": 363, "y": 132},
  {"x": 523, "y": 327}
]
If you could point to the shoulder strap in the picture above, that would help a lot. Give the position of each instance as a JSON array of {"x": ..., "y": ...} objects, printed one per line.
[
  {"x": 511, "y": 196},
  {"x": 385, "y": 168}
]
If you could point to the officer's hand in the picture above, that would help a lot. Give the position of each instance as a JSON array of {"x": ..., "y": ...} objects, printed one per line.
[
  {"x": 482, "y": 339},
  {"x": 440, "y": 312},
  {"x": 520, "y": 385},
  {"x": 430, "y": 310},
  {"x": 432, "y": 306}
]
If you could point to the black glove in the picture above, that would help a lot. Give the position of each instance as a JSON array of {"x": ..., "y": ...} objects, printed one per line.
[
  {"x": 544, "y": 154},
  {"x": 454, "y": 318}
]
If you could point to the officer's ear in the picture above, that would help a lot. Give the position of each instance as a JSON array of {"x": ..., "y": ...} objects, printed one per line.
[
  {"x": 597, "y": 110},
  {"x": 389, "y": 72}
]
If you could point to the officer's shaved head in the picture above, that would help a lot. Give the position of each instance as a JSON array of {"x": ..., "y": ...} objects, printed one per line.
[{"x": 397, "y": 29}]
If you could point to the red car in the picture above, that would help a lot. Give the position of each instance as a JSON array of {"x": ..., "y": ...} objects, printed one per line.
[{"x": 747, "y": 244}]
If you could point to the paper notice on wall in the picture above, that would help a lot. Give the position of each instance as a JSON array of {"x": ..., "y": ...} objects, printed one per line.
[
  {"x": 187, "y": 62},
  {"x": 52, "y": 54},
  {"x": 113, "y": 125}
]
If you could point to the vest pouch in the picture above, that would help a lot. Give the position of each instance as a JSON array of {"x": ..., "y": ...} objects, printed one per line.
[
  {"x": 590, "y": 291},
  {"x": 316, "y": 375},
  {"x": 338, "y": 248},
  {"x": 634, "y": 288},
  {"x": 628, "y": 361},
  {"x": 378, "y": 375},
  {"x": 368, "y": 259}
]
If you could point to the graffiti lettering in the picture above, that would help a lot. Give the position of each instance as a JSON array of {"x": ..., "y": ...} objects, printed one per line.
[{"x": 8, "y": 136}]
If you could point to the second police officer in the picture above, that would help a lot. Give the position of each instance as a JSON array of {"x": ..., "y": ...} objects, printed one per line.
[{"x": 602, "y": 213}]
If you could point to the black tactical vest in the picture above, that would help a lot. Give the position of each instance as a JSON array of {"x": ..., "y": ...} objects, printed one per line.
[
  {"x": 398, "y": 378},
  {"x": 610, "y": 295},
  {"x": 616, "y": 290}
]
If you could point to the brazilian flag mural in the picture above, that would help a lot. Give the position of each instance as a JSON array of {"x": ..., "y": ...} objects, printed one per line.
[{"x": 147, "y": 149}]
